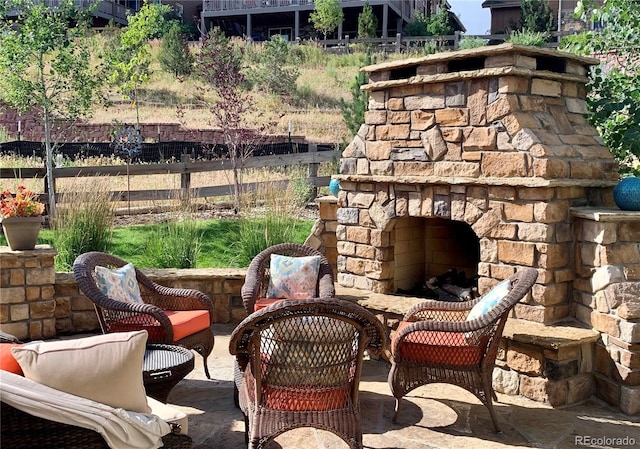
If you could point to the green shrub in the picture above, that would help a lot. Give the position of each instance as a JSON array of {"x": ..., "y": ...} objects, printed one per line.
[
  {"x": 302, "y": 191},
  {"x": 530, "y": 38},
  {"x": 83, "y": 222},
  {"x": 471, "y": 42},
  {"x": 258, "y": 234},
  {"x": 174, "y": 244}
]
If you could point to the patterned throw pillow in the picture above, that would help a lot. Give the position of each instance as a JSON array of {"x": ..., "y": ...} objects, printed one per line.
[
  {"x": 293, "y": 277},
  {"x": 120, "y": 284},
  {"x": 490, "y": 300}
]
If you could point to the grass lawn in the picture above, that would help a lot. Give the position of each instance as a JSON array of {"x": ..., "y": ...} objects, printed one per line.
[{"x": 219, "y": 243}]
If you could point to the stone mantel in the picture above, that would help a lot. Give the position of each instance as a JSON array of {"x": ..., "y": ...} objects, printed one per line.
[{"x": 492, "y": 181}]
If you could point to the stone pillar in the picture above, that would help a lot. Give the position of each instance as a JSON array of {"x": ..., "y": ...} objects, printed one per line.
[
  {"x": 606, "y": 297},
  {"x": 323, "y": 235},
  {"x": 27, "y": 292}
]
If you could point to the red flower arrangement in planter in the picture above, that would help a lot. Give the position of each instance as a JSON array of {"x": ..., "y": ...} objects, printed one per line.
[
  {"x": 23, "y": 204},
  {"x": 21, "y": 216}
]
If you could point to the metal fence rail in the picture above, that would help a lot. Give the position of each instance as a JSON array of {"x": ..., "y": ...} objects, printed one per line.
[{"x": 154, "y": 152}]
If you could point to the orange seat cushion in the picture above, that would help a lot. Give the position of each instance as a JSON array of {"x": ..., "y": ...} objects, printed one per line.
[
  {"x": 7, "y": 361},
  {"x": 306, "y": 399},
  {"x": 184, "y": 322},
  {"x": 261, "y": 303},
  {"x": 299, "y": 398},
  {"x": 440, "y": 348}
]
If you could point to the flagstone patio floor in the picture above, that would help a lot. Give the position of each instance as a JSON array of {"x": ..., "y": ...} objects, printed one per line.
[{"x": 434, "y": 416}]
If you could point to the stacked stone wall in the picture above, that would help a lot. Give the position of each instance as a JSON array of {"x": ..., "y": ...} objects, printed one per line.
[
  {"x": 607, "y": 298},
  {"x": 27, "y": 293}
]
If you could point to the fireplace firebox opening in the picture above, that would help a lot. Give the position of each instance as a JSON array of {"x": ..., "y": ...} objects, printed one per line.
[{"x": 430, "y": 252}]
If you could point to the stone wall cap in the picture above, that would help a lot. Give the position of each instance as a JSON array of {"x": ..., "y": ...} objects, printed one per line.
[
  {"x": 478, "y": 73},
  {"x": 195, "y": 273},
  {"x": 327, "y": 199},
  {"x": 604, "y": 214},
  {"x": 488, "y": 50},
  {"x": 39, "y": 250},
  {"x": 549, "y": 336}
]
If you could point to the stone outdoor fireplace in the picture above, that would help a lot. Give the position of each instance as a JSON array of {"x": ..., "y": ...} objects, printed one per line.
[
  {"x": 471, "y": 160},
  {"x": 482, "y": 160}
]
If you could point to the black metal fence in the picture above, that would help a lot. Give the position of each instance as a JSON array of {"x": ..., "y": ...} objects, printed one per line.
[{"x": 154, "y": 152}]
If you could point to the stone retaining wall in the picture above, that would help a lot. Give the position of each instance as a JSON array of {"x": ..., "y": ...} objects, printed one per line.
[{"x": 38, "y": 303}]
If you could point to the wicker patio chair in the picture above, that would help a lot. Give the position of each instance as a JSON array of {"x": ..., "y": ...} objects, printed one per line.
[
  {"x": 20, "y": 430},
  {"x": 436, "y": 343},
  {"x": 257, "y": 278},
  {"x": 120, "y": 316},
  {"x": 302, "y": 361}
]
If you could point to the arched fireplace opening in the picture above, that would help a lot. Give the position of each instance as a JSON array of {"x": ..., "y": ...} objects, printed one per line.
[{"x": 433, "y": 254}]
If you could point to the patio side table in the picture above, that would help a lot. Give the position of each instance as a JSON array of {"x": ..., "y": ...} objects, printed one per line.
[{"x": 163, "y": 367}]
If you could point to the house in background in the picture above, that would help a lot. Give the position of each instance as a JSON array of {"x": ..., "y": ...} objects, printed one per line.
[
  {"x": 505, "y": 13},
  {"x": 261, "y": 19}
]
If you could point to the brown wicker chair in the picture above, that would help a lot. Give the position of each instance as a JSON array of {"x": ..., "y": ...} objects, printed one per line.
[
  {"x": 21, "y": 430},
  {"x": 434, "y": 343},
  {"x": 117, "y": 316},
  {"x": 257, "y": 279},
  {"x": 302, "y": 361}
]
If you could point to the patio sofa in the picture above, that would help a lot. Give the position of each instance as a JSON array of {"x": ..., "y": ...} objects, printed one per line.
[{"x": 83, "y": 393}]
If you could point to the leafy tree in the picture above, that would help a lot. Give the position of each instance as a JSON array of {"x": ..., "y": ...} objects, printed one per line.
[
  {"x": 614, "y": 87},
  {"x": 272, "y": 73},
  {"x": 175, "y": 56},
  {"x": 45, "y": 67},
  {"x": 367, "y": 22},
  {"x": 326, "y": 16},
  {"x": 128, "y": 62},
  {"x": 219, "y": 66},
  {"x": 353, "y": 112},
  {"x": 536, "y": 16},
  {"x": 436, "y": 24}
]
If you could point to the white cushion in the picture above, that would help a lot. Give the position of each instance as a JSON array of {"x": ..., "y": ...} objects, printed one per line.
[
  {"x": 293, "y": 277},
  {"x": 120, "y": 284},
  {"x": 121, "y": 429},
  {"x": 169, "y": 414},
  {"x": 105, "y": 368}
]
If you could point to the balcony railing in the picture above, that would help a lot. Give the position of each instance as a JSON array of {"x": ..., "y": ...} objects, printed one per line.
[{"x": 237, "y": 5}]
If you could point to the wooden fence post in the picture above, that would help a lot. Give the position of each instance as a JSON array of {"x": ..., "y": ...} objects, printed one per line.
[
  {"x": 313, "y": 169},
  {"x": 185, "y": 178},
  {"x": 398, "y": 42}
]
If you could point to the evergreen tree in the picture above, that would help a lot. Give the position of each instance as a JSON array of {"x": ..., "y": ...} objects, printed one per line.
[
  {"x": 367, "y": 22},
  {"x": 353, "y": 112},
  {"x": 536, "y": 16},
  {"x": 175, "y": 56}
]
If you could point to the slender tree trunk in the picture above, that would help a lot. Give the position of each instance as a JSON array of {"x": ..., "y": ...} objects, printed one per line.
[{"x": 49, "y": 150}]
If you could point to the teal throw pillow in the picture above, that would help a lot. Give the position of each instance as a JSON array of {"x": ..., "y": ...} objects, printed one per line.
[
  {"x": 120, "y": 284},
  {"x": 293, "y": 277},
  {"x": 490, "y": 300}
]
